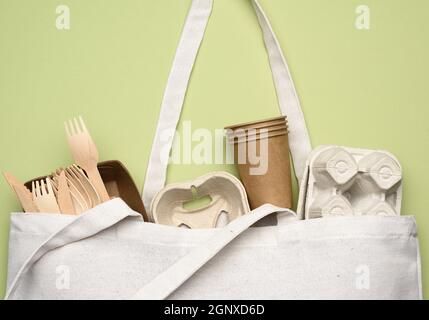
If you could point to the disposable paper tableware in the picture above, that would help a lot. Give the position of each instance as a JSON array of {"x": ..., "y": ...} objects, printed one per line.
[
  {"x": 349, "y": 181},
  {"x": 119, "y": 183},
  {"x": 228, "y": 202},
  {"x": 274, "y": 185}
]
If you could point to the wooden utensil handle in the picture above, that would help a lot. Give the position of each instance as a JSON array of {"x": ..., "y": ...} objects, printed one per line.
[
  {"x": 95, "y": 178},
  {"x": 25, "y": 199}
]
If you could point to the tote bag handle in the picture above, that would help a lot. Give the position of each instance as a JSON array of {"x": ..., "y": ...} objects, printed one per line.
[
  {"x": 109, "y": 214},
  {"x": 85, "y": 226},
  {"x": 174, "y": 95}
]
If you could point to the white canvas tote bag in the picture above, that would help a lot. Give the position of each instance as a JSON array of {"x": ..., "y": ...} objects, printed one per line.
[{"x": 110, "y": 253}]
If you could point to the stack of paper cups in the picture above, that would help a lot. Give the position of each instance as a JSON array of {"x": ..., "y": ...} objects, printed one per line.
[{"x": 261, "y": 153}]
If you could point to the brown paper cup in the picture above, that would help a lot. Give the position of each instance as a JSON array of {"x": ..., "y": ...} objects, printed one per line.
[{"x": 274, "y": 185}]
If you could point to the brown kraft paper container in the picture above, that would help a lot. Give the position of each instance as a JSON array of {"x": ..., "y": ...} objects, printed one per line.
[
  {"x": 275, "y": 185},
  {"x": 119, "y": 184}
]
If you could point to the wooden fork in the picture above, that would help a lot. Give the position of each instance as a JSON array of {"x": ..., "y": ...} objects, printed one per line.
[
  {"x": 44, "y": 197},
  {"x": 81, "y": 176},
  {"x": 79, "y": 206},
  {"x": 80, "y": 188},
  {"x": 85, "y": 154}
]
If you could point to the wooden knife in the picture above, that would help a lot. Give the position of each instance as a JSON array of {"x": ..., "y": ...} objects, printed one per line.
[
  {"x": 23, "y": 194},
  {"x": 64, "y": 197}
]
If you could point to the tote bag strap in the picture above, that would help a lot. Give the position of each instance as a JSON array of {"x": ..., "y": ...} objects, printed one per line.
[
  {"x": 167, "y": 282},
  {"x": 87, "y": 225},
  {"x": 174, "y": 95},
  {"x": 114, "y": 211}
]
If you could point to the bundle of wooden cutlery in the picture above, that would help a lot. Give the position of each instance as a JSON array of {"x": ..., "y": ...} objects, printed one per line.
[
  {"x": 81, "y": 186},
  {"x": 67, "y": 191}
]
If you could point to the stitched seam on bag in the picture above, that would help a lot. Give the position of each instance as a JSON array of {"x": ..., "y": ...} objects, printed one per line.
[
  {"x": 281, "y": 240},
  {"x": 391, "y": 237},
  {"x": 46, "y": 235},
  {"x": 194, "y": 245},
  {"x": 419, "y": 270}
]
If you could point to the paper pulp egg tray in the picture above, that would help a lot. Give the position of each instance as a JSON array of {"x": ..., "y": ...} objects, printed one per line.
[{"x": 341, "y": 181}]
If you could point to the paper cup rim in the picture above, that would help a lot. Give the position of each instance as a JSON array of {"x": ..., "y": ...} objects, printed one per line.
[
  {"x": 254, "y": 124},
  {"x": 247, "y": 133}
]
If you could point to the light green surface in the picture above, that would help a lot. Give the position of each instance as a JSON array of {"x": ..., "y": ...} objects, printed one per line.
[{"x": 357, "y": 88}]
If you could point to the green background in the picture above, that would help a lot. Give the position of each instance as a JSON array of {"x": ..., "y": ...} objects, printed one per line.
[{"x": 360, "y": 88}]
